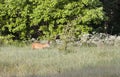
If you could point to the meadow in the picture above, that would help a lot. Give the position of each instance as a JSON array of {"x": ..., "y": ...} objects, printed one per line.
[{"x": 51, "y": 62}]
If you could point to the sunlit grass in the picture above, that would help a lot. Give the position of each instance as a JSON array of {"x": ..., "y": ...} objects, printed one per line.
[{"x": 23, "y": 61}]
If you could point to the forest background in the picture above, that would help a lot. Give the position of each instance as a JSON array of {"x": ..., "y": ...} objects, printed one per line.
[{"x": 47, "y": 19}]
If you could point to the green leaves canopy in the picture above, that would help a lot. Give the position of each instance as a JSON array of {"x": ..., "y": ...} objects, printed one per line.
[{"x": 25, "y": 19}]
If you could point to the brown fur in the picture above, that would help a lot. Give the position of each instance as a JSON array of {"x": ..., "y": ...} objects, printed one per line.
[{"x": 40, "y": 45}]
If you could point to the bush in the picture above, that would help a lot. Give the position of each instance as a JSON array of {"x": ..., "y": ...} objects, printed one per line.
[{"x": 6, "y": 40}]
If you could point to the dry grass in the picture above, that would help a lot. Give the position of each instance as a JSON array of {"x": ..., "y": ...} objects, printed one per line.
[{"x": 25, "y": 62}]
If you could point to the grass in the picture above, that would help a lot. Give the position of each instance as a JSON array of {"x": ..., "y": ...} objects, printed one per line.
[{"x": 83, "y": 62}]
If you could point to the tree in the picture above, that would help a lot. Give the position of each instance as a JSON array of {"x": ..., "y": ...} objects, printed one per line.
[
  {"x": 24, "y": 19},
  {"x": 52, "y": 16}
]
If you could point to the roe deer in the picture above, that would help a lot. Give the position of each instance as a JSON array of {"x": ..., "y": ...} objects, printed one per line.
[{"x": 37, "y": 45}]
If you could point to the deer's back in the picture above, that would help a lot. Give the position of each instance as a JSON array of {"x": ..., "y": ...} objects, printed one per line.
[{"x": 39, "y": 45}]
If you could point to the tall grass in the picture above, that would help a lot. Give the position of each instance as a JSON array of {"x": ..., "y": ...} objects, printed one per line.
[{"x": 25, "y": 62}]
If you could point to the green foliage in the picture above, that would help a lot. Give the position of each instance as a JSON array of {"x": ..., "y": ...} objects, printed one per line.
[
  {"x": 70, "y": 33},
  {"x": 52, "y": 20},
  {"x": 14, "y": 16},
  {"x": 46, "y": 19},
  {"x": 6, "y": 39}
]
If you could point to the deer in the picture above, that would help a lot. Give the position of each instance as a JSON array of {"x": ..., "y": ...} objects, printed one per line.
[{"x": 37, "y": 45}]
